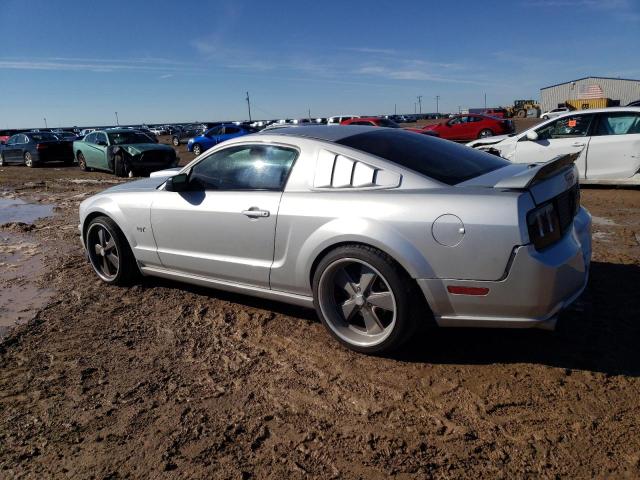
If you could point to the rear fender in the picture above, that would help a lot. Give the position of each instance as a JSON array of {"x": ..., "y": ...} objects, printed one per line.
[{"x": 365, "y": 231}]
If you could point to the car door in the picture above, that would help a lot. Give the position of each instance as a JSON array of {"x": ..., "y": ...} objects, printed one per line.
[
  {"x": 223, "y": 226},
  {"x": 568, "y": 134},
  {"x": 96, "y": 150},
  {"x": 10, "y": 149},
  {"x": 614, "y": 148}
]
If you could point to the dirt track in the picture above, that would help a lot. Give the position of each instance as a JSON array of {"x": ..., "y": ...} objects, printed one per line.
[{"x": 164, "y": 380}]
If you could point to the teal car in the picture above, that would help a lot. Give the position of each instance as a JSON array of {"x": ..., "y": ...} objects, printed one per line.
[{"x": 124, "y": 152}]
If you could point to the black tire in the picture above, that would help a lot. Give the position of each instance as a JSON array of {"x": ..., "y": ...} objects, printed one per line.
[
  {"x": 1, "y": 160},
  {"x": 485, "y": 132},
  {"x": 127, "y": 270},
  {"x": 119, "y": 165},
  {"x": 28, "y": 160},
  {"x": 197, "y": 149},
  {"x": 175, "y": 141},
  {"x": 407, "y": 309},
  {"x": 82, "y": 162},
  {"x": 521, "y": 113}
]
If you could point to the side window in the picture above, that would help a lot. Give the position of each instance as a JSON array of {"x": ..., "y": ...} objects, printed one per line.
[
  {"x": 214, "y": 131},
  {"x": 455, "y": 120},
  {"x": 618, "y": 123},
  {"x": 230, "y": 130},
  {"x": 245, "y": 167},
  {"x": 12, "y": 140},
  {"x": 22, "y": 139},
  {"x": 91, "y": 138},
  {"x": 102, "y": 138},
  {"x": 566, "y": 127}
]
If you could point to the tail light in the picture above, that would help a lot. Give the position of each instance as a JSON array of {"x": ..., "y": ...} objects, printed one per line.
[
  {"x": 41, "y": 146},
  {"x": 544, "y": 226}
]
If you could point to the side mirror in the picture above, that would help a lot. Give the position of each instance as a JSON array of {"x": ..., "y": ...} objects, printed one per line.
[
  {"x": 177, "y": 183},
  {"x": 102, "y": 143},
  {"x": 532, "y": 135}
]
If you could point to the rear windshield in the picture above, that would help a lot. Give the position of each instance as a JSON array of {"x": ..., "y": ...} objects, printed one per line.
[
  {"x": 43, "y": 137},
  {"x": 439, "y": 159}
]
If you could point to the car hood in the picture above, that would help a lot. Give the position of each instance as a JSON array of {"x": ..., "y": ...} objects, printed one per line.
[
  {"x": 489, "y": 140},
  {"x": 144, "y": 185},
  {"x": 138, "y": 148}
]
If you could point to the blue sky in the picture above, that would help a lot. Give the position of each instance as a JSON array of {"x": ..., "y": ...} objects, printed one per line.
[{"x": 76, "y": 63}]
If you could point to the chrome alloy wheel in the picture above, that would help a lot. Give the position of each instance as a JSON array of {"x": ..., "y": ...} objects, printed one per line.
[
  {"x": 103, "y": 252},
  {"x": 357, "y": 302}
]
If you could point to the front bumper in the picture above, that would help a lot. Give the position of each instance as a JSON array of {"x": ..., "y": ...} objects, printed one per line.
[{"x": 535, "y": 288}]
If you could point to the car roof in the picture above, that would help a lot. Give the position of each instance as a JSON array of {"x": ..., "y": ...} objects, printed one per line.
[
  {"x": 322, "y": 132},
  {"x": 602, "y": 110}
]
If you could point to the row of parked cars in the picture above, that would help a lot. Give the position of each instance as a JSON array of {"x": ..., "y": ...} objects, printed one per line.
[{"x": 606, "y": 142}]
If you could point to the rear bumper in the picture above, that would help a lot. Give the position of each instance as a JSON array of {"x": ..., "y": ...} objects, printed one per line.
[{"x": 536, "y": 287}]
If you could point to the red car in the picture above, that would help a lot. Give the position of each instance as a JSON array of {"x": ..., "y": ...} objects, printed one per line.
[
  {"x": 371, "y": 121},
  {"x": 468, "y": 127},
  {"x": 5, "y": 134}
]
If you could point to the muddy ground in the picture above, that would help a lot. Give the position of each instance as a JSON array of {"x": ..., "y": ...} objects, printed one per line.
[{"x": 164, "y": 380}]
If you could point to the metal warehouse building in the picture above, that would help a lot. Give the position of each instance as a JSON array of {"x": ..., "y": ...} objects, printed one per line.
[{"x": 620, "y": 91}]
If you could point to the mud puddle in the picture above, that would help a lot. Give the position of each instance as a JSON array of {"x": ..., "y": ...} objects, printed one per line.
[
  {"x": 16, "y": 210},
  {"x": 21, "y": 262}
]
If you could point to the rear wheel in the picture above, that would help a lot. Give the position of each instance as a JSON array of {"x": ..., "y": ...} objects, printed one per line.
[
  {"x": 197, "y": 149},
  {"x": 28, "y": 160},
  {"x": 364, "y": 299},
  {"x": 82, "y": 162},
  {"x": 485, "y": 132},
  {"x": 109, "y": 252},
  {"x": 544, "y": 117}
]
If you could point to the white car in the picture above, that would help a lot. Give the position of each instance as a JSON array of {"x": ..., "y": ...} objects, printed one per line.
[
  {"x": 608, "y": 141},
  {"x": 556, "y": 112},
  {"x": 340, "y": 118}
]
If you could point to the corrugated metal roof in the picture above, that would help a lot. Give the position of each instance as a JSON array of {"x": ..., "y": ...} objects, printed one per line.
[{"x": 591, "y": 76}]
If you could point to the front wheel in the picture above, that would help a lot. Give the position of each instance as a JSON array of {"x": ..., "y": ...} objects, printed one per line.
[
  {"x": 485, "y": 132},
  {"x": 544, "y": 117},
  {"x": 109, "y": 252},
  {"x": 197, "y": 149},
  {"x": 120, "y": 166},
  {"x": 364, "y": 299}
]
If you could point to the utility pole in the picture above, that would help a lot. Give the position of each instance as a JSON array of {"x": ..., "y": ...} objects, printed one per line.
[
  {"x": 309, "y": 114},
  {"x": 249, "y": 105},
  {"x": 395, "y": 108},
  {"x": 420, "y": 104},
  {"x": 45, "y": 123},
  {"x": 485, "y": 101},
  {"x": 117, "y": 121},
  {"x": 437, "y": 103},
  {"x": 459, "y": 108}
]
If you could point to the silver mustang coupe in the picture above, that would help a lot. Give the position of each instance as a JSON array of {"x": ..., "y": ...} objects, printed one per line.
[{"x": 379, "y": 229}]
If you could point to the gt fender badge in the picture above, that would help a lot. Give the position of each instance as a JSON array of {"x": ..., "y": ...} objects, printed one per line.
[{"x": 141, "y": 229}]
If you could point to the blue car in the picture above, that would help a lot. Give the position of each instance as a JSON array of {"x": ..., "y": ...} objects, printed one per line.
[{"x": 216, "y": 135}]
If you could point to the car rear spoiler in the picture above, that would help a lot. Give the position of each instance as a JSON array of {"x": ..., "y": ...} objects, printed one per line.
[{"x": 538, "y": 172}]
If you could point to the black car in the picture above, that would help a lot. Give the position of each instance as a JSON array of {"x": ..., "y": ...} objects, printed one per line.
[
  {"x": 184, "y": 133},
  {"x": 35, "y": 148}
]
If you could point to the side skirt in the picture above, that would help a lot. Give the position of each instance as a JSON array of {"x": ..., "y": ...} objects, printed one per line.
[{"x": 251, "y": 290}]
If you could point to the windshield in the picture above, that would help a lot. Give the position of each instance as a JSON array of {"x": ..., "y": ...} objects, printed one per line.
[
  {"x": 122, "y": 138},
  {"x": 441, "y": 160},
  {"x": 43, "y": 137}
]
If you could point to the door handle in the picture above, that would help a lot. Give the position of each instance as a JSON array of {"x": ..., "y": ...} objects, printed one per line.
[
  {"x": 255, "y": 212},
  {"x": 578, "y": 144}
]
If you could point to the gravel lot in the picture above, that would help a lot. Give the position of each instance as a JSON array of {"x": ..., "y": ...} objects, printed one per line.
[{"x": 163, "y": 380}]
